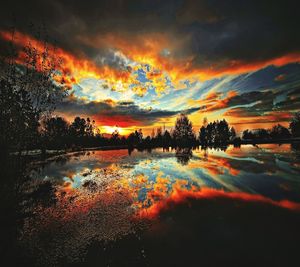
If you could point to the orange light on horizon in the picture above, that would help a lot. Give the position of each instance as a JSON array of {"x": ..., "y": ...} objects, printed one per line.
[{"x": 111, "y": 129}]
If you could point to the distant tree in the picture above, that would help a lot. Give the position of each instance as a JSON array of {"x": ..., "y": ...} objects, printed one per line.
[
  {"x": 153, "y": 134},
  {"x": 223, "y": 133},
  {"x": 167, "y": 139},
  {"x": 261, "y": 134},
  {"x": 56, "y": 131},
  {"x": 257, "y": 134},
  {"x": 131, "y": 140},
  {"x": 78, "y": 130},
  {"x": 295, "y": 125},
  {"x": 232, "y": 134},
  {"x": 115, "y": 137},
  {"x": 90, "y": 127},
  {"x": 247, "y": 135},
  {"x": 279, "y": 132},
  {"x": 215, "y": 133},
  {"x": 183, "y": 131},
  {"x": 147, "y": 142},
  {"x": 135, "y": 139},
  {"x": 203, "y": 132},
  {"x": 139, "y": 135},
  {"x": 203, "y": 135},
  {"x": 158, "y": 139}
]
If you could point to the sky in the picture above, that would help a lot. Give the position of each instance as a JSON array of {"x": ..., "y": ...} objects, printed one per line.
[{"x": 139, "y": 64}]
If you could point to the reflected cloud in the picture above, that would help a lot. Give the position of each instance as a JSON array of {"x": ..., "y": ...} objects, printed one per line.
[{"x": 106, "y": 195}]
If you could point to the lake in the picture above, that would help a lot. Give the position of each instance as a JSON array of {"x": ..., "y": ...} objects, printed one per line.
[{"x": 232, "y": 207}]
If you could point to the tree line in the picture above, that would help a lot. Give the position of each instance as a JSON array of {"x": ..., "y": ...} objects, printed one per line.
[
  {"x": 277, "y": 132},
  {"x": 58, "y": 133}
]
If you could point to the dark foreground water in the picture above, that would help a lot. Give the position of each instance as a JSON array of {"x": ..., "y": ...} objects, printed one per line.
[{"x": 239, "y": 207}]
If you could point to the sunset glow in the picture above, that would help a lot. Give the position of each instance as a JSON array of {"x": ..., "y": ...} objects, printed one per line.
[{"x": 150, "y": 83}]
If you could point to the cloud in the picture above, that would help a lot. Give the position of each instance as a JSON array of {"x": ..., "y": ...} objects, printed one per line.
[
  {"x": 147, "y": 51},
  {"x": 111, "y": 113},
  {"x": 202, "y": 38}
]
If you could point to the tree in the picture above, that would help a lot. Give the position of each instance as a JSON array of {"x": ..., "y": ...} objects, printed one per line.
[
  {"x": 115, "y": 137},
  {"x": 167, "y": 139},
  {"x": 232, "y": 134},
  {"x": 135, "y": 139},
  {"x": 90, "y": 128},
  {"x": 257, "y": 134},
  {"x": 19, "y": 129},
  {"x": 78, "y": 130},
  {"x": 29, "y": 93},
  {"x": 247, "y": 134},
  {"x": 279, "y": 132},
  {"x": 203, "y": 135},
  {"x": 222, "y": 132},
  {"x": 56, "y": 131},
  {"x": 261, "y": 134},
  {"x": 183, "y": 132},
  {"x": 216, "y": 133},
  {"x": 295, "y": 125}
]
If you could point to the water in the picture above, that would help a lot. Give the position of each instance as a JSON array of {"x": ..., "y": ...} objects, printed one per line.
[{"x": 165, "y": 208}]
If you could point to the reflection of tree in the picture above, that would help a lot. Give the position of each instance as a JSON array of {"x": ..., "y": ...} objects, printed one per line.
[
  {"x": 215, "y": 147},
  {"x": 295, "y": 147},
  {"x": 183, "y": 155},
  {"x": 130, "y": 149}
]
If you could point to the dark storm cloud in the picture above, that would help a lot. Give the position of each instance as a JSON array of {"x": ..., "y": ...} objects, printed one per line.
[
  {"x": 218, "y": 31},
  {"x": 267, "y": 101},
  {"x": 267, "y": 106},
  {"x": 122, "y": 109}
]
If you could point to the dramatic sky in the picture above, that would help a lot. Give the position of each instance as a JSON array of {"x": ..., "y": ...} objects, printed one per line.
[{"x": 138, "y": 64}]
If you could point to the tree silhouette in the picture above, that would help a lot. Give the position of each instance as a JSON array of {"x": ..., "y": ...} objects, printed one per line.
[
  {"x": 279, "y": 132},
  {"x": 232, "y": 134},
  {"x": 247, "y": 135},
  {"x": 216, "y": 133},
  {"x": 183, "y": 132},
  {"x": 56, "y": 132},
  {"x": 29, "y": 93},
  {"x": 203, "y": 136},
  {"x": 135, "y": 139},
  {"x": 115, "y": 137},
  {"x": 166, "y": 139},
  {"x": 19, "y": 128}
]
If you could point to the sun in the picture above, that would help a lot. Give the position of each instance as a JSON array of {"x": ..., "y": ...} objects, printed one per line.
[{"x": 111, "y": 129}]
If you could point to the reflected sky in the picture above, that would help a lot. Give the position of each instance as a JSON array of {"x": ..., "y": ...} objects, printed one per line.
[
  {"x": 270, "y": 171},
  {"x": 107, "y": 196}
]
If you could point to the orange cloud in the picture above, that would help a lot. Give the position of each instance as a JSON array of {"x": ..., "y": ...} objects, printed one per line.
[
  {"x": 147, "y": 49},
  {"x": 215, "y": 101},
  {"x": 180, "y": 195},
  {"x": 142, "y": 49},
  {"x": 72, "y": 69}
]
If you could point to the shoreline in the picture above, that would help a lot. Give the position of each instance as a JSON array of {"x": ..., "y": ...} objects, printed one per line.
[{"x": 52, "y": 152}]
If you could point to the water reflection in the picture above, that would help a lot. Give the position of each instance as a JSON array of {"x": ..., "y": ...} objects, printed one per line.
[
  {"x": 183, "y": 155},
  {"x": 106, "y": 195},
  {"x": 268, "y": 170}
]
